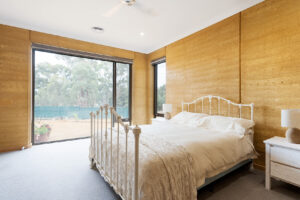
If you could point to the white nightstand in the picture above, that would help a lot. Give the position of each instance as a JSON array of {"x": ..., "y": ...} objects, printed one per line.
[
  {"x": 158, "y": 120},
  {"x": 282, "y": 161}
]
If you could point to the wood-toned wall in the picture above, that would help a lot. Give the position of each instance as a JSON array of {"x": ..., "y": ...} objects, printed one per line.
[
  {"x": 253, "y": 56},
  {"x": 68, "y": 43},
  {"x": 139, "y": 89},
  {"x": 14, "y": 90},
  {"x": 15, "y": 80},
  {"x": 270, "y": 63},
  {"x": 203, "y": 63}
]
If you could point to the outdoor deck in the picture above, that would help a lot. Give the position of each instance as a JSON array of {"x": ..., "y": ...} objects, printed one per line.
[{"x": 66, "y": 128}]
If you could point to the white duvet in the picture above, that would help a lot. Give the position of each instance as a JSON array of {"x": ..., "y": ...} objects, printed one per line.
[{"x": 212, "y": 151}]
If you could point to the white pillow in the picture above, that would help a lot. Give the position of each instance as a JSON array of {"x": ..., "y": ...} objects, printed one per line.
[
  {"x": 225, "y": 124},
  {"x": 188, "y": 118}
]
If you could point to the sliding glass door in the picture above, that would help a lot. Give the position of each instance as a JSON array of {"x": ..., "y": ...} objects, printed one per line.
[
  {"x": 67, "y": 88},
  {"x": 123, "y": 90}
]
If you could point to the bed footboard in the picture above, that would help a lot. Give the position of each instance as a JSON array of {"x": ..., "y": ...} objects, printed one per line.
[{"x": 101, "y": 152}]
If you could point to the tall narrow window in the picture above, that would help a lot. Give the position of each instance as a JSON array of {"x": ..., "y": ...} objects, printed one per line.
[
  {"x": 159, "y": 87},
  {"x": 123, "y": 90},
  {"x": 68, "y": 87}
]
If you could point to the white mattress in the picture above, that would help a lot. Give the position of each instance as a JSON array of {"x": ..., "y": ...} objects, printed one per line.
[{"x": 212, "y": 151}]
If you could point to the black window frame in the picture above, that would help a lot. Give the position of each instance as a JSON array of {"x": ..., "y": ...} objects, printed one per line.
[
  {"x": 129, "y": 119},
  {"x": 80, "y": 55},
  {"x": 154, "y": 65}
]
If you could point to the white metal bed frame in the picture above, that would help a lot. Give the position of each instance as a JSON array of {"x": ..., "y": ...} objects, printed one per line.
[
  {"x": 100, "y": 132},
  {"x": 210, "y": 98}
]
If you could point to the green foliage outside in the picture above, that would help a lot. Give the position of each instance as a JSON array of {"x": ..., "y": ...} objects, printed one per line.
[
  {"x": 161, "y": 97},
  {"x": 122, "y": 85},
  {"x": 79, "y": 82},
  {"x": 42, "y": 130}
]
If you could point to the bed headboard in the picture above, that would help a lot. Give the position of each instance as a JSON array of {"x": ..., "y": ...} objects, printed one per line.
[{"x": 219, "y": 99}]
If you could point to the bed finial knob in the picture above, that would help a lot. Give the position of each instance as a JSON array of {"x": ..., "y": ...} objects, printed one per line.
[
  {"x": 119, "y": 119},
  {"x": 106, "y": 109},
  {"x": 136, "y": 130},
  {"x": 126, "y": 128}
]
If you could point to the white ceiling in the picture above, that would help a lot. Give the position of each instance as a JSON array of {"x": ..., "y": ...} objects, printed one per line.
[{"x": 164, "y": 21}]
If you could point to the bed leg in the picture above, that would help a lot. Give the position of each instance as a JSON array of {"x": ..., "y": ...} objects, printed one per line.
[
  {"x": 92, "y": 164},
  {"x": 211, "y": 188},
  {"x": 251, "y": 167}
]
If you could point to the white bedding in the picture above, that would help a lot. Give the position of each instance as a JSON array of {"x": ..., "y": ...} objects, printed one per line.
[
  {"x": 213, "y": 151},
  {"x": 175, "y": 159}
]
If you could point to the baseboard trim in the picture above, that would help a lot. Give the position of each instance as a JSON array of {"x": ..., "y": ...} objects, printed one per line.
[{"x": 16, "y": 148}]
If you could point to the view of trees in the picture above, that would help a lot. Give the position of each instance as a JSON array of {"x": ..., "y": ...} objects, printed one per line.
[
  {"x": 161, "y": 97},
  {"x": 68, "y": 88},
  {"x": 161, "y": 86},
  {"x": 87, "y": 83},
  {"x": 79, "y": 82},
  {"x": 122, "y": 85}
]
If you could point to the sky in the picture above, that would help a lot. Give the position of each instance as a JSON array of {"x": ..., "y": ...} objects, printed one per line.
[
  {"x": 41, "y": 56},
  {"x": 161, "y": 74}
]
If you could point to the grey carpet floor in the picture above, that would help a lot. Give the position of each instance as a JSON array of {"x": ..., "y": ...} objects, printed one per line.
[{"x": 60, "y": 171}]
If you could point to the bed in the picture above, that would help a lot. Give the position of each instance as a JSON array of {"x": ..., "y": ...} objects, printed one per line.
[{"x": 172, "y": 160}]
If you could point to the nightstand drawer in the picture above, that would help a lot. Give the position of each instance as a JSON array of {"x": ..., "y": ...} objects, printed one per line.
[
  {"x": 286, "y": 173},
  {"x": 286, "y": 156},
  {"x": 282, "y": 161}
]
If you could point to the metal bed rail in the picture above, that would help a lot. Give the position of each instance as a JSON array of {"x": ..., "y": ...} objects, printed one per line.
[{"x": 102, "y": 151}]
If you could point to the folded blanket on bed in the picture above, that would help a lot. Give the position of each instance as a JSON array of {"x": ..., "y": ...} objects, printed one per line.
[{"x": 168, "y": 174}]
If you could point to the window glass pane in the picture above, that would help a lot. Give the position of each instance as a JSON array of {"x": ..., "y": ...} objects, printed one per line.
[
  {"x": 122, "y": 85},
  {"x": 66, "y": 90},
  {"x": 161, "y": 86}
]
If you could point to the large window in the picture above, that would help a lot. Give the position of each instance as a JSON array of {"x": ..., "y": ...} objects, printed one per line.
[
  {"x": 67, "y": 88},
  {"x": 159, "y": 87}
]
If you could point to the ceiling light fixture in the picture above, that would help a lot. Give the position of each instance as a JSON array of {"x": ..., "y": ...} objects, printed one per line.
[
  {"x": 128, "y": 2},
  {"x": 142, "y": 33},
  {"x": 97, "y": 29}
]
